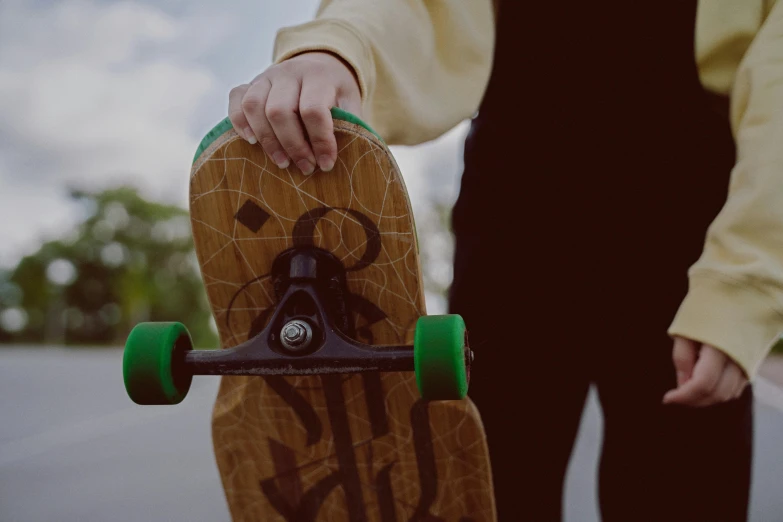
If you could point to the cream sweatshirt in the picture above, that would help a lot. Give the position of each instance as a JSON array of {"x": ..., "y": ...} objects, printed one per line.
[{"x": 423, "y": 66}]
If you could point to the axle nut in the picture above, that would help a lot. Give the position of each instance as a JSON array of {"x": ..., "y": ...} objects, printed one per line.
[{"x": 296, "y": 335}]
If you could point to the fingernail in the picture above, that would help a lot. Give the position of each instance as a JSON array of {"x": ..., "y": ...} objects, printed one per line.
[
  {"x": 281, "y": 160},
  {"x": 305, "y": 166},
  {"x": 250, "y": 137},
  {"x": 326, "y": 163}
]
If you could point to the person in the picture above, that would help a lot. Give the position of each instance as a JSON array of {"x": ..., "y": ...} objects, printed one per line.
[{"x": 602, "y": 151}]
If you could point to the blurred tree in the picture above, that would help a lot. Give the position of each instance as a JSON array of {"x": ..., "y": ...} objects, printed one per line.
[{"x": 130, "y": 260}]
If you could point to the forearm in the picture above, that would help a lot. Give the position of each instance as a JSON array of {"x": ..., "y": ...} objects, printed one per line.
[{"x": 735, "y": 300}]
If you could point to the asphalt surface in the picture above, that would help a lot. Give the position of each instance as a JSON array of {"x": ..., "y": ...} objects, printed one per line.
[{"x": 74, "y": 448}]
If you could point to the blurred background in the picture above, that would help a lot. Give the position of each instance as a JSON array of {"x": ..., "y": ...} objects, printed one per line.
[{"x": 102, "y": 105}]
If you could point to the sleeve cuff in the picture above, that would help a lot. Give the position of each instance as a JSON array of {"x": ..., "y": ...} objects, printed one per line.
[
  {"x": 740, "y": 320},
  {"x": 329, "y": 35}
]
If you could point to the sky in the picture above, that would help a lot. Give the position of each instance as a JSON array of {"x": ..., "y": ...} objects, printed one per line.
[{"x": 94, "y": 94}]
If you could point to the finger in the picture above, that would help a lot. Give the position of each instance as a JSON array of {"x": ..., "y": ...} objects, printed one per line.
[
  {"x": 737, "y": 381},
  {"x": 743, "y": 381},
  {"x": 684, "y": 356},
  {"x": 237, "y": 115},
  {"x": 706, "y": 374},
  {"x": 726, "y": 388},
  {"x": 314, "y": 105},
  {"x": 743, "y": 384},
  {"x": 350, "y": 101},
  {"x": 282, "y": 111},
  {"x": 349, "y": 95},
  {"x": 254, "y": 107}
]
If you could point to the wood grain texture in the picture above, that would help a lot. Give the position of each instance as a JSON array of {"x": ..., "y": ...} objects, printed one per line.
[{"x": 332, "y": 448}]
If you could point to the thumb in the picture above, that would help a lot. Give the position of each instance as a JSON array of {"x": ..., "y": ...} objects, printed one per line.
[
  {"x": 352, "y": 103},
  {"x": 684, "y": 355}
]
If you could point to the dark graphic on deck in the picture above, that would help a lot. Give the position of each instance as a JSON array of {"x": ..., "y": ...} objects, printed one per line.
[{"x": 284, "y": 489}]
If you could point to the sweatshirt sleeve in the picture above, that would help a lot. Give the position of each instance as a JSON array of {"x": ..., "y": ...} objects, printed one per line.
[
  {"x": 422, "y": 65},
  {"x": 735, "y": 297}
]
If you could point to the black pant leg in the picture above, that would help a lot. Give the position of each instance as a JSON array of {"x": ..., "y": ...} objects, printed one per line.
[
  {"x": 529, "y": 379},
  {"x": 666, "y": 462}
]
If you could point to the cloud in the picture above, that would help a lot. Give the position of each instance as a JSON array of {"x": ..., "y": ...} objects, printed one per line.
[
  {"x": 77, "y": 95},
  {"x": 93, "y": 95},
  {"x": 97, "y": 93}
]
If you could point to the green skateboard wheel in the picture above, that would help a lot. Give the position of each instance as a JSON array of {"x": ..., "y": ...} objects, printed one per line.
[
  {"x": 153, "y": 363},
  {"x": 439, "y": 357}
]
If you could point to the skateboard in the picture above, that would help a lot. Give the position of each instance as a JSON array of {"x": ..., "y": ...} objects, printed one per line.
[{"x": 340, "y": 399}]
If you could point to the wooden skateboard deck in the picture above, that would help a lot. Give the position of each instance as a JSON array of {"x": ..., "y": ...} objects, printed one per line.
[{"x": 353, "y": 448}]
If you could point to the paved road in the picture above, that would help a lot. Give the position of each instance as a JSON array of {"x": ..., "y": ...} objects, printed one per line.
[{"x": 74, "y": 449}]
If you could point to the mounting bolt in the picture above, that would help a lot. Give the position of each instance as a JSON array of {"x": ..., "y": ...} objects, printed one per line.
[{"x": 296, "y": 335}]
